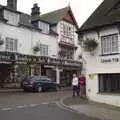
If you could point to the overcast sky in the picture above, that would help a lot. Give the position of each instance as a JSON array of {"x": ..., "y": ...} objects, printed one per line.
[{"x": 82, "y": 9}]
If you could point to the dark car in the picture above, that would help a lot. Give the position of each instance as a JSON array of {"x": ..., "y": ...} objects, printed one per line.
[{"x": 39, "y": 83}]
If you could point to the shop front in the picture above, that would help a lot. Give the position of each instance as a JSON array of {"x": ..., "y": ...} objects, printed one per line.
[{"x": 15, "y": 67}]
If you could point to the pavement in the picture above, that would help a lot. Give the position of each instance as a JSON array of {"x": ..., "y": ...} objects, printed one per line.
[
  {"x": 91, "y": 109},
  {"x": 12, "y": 90}
]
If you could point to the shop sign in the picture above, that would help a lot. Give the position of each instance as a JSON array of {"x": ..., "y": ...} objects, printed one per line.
[
  {"x": 109, "y": 60},
  {"x": 5, "y": 58}
]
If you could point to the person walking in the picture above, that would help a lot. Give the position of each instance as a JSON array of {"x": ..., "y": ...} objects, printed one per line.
[
  {"x": 82, "y": 82},
  {"x": 75, "y": 83}
]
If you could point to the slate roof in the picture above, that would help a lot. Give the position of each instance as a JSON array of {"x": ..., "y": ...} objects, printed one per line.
[
  {"x": 55, "y": 16},
  {"x": 106, "y": 14},
  {"x": 52, "y": 17},
  {"x": 25, "y": 20}
]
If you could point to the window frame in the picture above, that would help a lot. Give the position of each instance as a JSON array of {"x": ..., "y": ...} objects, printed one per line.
[
  {"x": 108, "y": 43},
  {"x": 69, "y": 53},
  {"x": 109, "y": 83},
  {"x": 67, "y": 32},
  {"x": 45, "y": 27},
  {"x": 43, "y": 50},
  {"x": 11, "y": 44}
]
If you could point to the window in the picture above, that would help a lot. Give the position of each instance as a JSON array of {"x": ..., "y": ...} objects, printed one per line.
[
  {"x": 13, "y": 18},
  {"x": 44, "y": 27},
  {"x": 109, "y": 44},
  {"x": 67, "y": 53},
  {"x": 109, "y": 83},
  {"x": 43, "y": 50},
  {"x": 11, "y": 45},
  {"x": 67, "y": 32}
]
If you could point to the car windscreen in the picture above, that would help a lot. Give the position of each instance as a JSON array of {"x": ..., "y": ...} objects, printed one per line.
[
  {"x": 45, "y": 78},
  {"x": 33, "y": 78}
]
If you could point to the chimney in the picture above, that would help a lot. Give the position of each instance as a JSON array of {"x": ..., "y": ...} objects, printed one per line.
[
  {"x": 12, "y": 4},
  {"x": 35, "y": 10}
]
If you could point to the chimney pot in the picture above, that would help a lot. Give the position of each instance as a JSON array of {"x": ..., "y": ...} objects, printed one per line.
[{"x": 35, "y": 10}]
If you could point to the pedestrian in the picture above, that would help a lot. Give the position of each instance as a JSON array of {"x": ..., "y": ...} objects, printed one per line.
[
  {"x": 75, "y": 83},
  {"x": 82, "y": 82}
]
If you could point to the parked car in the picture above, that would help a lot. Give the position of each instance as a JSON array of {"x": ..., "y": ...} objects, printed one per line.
[{"x": 38, "y": 84}]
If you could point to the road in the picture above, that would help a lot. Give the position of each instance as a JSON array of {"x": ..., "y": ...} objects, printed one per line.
[{"x": 36, "y": 106}]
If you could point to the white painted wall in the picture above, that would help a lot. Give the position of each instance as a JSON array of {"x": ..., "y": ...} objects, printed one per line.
[
  {"x": 28, "y": 38},
  {"x": 50, "y": 40},
  {"x": 93, "y": 65},
  {"x": 78, "y": 50},
  {"x": 92, "y": 93}
]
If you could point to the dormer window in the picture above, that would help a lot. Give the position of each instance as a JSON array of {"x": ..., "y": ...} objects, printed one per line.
[
  {"x": 11, "y": 17},
  {"x": 44, "y": 27}
]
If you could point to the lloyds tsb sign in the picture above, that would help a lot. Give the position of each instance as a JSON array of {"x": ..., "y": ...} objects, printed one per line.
[{"x": 109, "y": 60}]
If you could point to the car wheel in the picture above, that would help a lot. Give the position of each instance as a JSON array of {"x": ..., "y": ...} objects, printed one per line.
[
  {"x": 25, "y": 90},
  {"x": 39, "y": 89}
]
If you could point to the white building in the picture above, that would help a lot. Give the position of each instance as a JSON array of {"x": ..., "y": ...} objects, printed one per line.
[
  {"x": 30, "y": 44},
  {"x": 103, "y": 68}
]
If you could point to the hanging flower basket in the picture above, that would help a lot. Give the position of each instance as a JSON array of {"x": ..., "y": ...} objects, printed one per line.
[
  {"x": 36, "y": 49},
  {"x": 1, "y": 42},
  {"x": 90, "y": 45},
  {"x": 61, "y": 54}
]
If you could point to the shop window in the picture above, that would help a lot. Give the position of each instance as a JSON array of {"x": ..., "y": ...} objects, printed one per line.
[{"x": 109, "y": 83}]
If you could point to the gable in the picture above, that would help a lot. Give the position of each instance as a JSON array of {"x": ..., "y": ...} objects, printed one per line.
[{"x": 69, "y": 18}]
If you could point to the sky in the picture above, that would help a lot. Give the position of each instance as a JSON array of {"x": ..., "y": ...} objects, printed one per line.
[{"x": 82, "y": 9}]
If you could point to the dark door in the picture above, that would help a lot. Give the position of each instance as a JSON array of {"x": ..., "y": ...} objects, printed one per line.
[{"x": 4, "y": 74}]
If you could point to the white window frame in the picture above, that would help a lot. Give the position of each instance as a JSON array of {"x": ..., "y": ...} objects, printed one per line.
[
  {"x": 67, "y": 32},
  {"x": 12, "y": 17},
  {"x": 44, "y": 27},
  {"x": 11, "y": 44},
  {"x": 43, "y": 50},
  {"x": 109, "y": 44}
]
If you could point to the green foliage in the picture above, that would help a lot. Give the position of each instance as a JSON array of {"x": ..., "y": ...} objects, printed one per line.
[
  {"x": 90, "y": 44},
  {"x": 62, "y": 54},
  {"x": 36, "y": 49},
  {"x": 1, "y": 42}
]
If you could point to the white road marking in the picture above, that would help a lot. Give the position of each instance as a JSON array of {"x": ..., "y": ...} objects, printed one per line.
[
  {"x": 25, "y": 106},
  {"x": 44, "y": 103},
  {"x": 33, "y": 105},
  {"x": 5, "y": 109},
  {"x": 21, "y": 106}
]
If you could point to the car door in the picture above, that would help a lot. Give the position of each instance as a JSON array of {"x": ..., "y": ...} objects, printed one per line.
[
  {"x": 44, "y": 83},
  {"x": 51, "y": 83}
]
